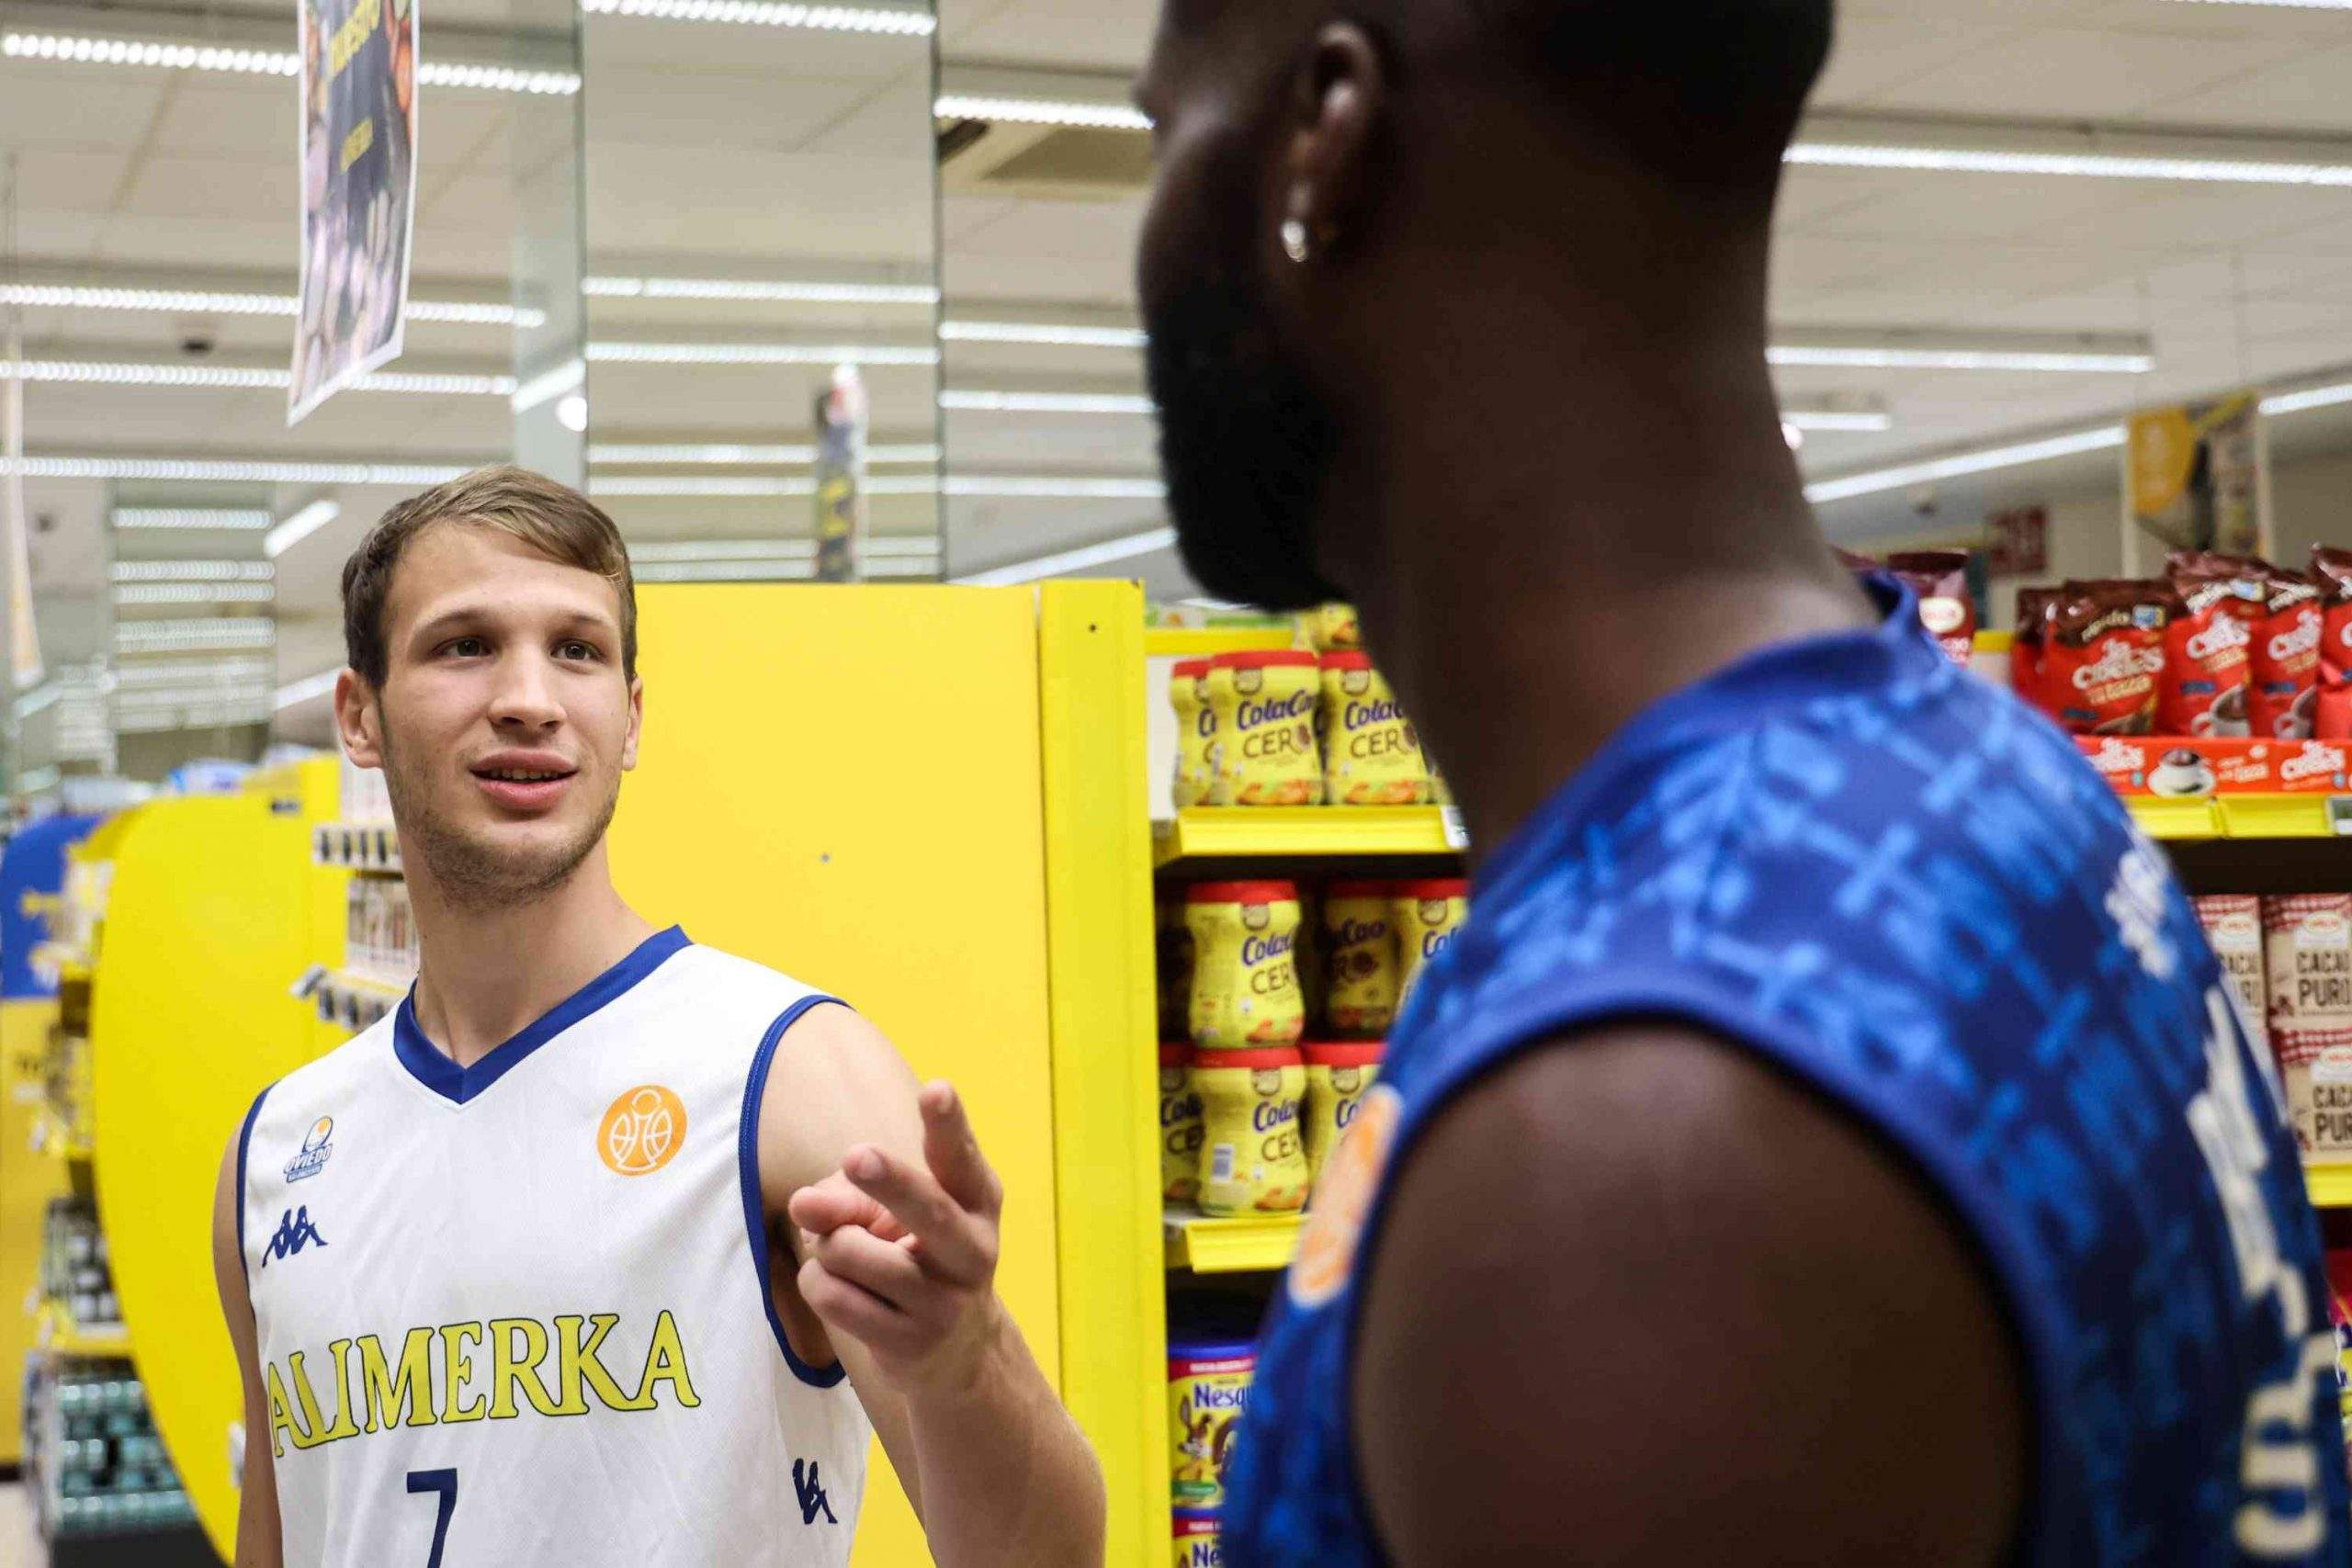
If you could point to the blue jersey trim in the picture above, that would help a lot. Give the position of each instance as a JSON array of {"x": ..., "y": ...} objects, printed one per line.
[
  {"x": 245, "y": 1146},
  {"x": 747, "y": 1163},
  {"x": 1984, "y": 1223},
  {"x": 427, "y": 1065}
]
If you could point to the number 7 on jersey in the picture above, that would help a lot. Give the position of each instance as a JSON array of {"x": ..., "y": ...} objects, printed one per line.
[{"x": 443, "y": 1482}]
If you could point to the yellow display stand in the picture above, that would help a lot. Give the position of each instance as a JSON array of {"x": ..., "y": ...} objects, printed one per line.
[
  {"x": 28, "y": 1181},
  {"x": 214, "y": 912}
]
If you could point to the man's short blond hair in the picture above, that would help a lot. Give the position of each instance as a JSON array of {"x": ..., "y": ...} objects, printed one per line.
[{"x": 553, "y": 519}]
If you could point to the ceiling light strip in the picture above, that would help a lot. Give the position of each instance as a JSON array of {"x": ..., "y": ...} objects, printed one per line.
[
  {"x": 87, "y": 50},
  {"x": 725, "y": 456},
  {"x": 1043, "y": 333},
  {"x": 2083, "y": 165},
  {"x": 886, "y": 20},
  {"x": 754, "y": 290},
  {"x": 231, "y": 377},
  {"x": 1040, "y": 111},
  {"x": 300, "y": 526},
  {"x": 184, "y": 301},
  {"x": 1791, "y": 356},
  {"x": 758, "y": 353},
  {"x": 219, "y": 520},
  {"x": 1840, "y": 421},
  {"x": 194, "y": 593},
  {"x": 989, "y": 402},
  {"x": 1083, "y": 559},
  {"x": 192, "y": 571}
]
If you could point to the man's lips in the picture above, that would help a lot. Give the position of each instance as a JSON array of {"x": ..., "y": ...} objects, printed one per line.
[{"x": 524, "y": 783}]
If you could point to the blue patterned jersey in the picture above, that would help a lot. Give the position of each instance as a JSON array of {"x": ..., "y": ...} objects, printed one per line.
[{"x": 1894, "y": 881}]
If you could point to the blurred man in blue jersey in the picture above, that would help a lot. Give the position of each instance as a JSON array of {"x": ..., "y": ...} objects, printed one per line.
[{"x": 1831, "y": 1140}]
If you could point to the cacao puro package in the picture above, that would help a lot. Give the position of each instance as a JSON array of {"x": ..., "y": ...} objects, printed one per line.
[
  {"x": 2103, "y": 653},
  {"x": 1939, "y": 579}
]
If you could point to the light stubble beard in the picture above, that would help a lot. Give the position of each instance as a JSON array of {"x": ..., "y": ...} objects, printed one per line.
[{"x": 473, "y": 876}]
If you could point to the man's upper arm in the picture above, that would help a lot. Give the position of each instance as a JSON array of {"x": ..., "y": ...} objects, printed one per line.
[
  {"x": 257, "y": 1522},
  {"x": 835, "y": 1082},
  {"x": 1637, "y": 1299}
]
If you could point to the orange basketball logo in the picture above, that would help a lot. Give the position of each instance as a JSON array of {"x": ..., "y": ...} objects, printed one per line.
[
  {"x": 642, "y": 1131},
  {"x": 1327, "y": 1245}
]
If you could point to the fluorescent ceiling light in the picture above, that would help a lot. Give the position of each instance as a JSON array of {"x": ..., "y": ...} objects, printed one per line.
[
  {"x": 780, "y": 570},
  {"x": 300, "y": 526},
  {"x": 908, "y": 23},
  {"x": 183, "y": 301},
  {"x": 225, "y": 635},
  {"x": 985, "y": 402},
  {"x": 786, "y": 290},
  {"x": 1040, "y": 111},
  {"x": 1074, "y": 488},
  {"x": 194, "y": 593},
  {"x": 232, "y": 377},
  {"x": 920, "y": 548},
  {"x": 1040, "y": 333},
  {"x": 757, "y": 354},
  {"x": 549, "y": 385},
  {"x": 221, "y": 520},
  {"x": 1079, "y": 559},
  {"x": 2087, "y": 165},
  {"x": 2292, "y": 4},
  {"x": 2312, "y": 398},
  {"x": 229, "y": 470},
  {"x": 192, "y": 673},
  {"x": 84, "y": 50},
  {"x": 192, "y": 571},
  {"x": 1850, "y": 422},
  {"x": 306, "y": 689},
  {"x": 1892, "y": 357},
  {"x": 722, "y": 455}
]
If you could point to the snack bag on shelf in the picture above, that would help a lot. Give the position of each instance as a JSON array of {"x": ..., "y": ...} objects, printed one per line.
[
  {"x": 2332, "y": 714},
  {"x": 2307, "y": 945},
  {"x": 2026, "y": 647},
  {"x": 2332, "y": 570},
  {"x": 2317, "y": 1067},
  {"x": 2104, "y": 652},
  {"x": 2285, "y": 693},
  {"x": 1939, "y": 579},
  {"x": 2208, "y": 643}
]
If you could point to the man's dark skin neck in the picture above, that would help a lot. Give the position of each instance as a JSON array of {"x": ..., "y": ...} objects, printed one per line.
[{"x": 1570, "y": 514}]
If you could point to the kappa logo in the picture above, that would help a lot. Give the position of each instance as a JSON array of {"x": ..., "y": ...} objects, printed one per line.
[
  {"x": 641, "y": 1130},
  {"x": 295, "y": 1232},
  {"x": 317, "y": 1145},
  {"x": 812, "y": 1496}
]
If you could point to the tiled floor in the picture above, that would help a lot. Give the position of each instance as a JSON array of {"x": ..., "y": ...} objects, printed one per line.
[{"x": 19, "y": 1547}]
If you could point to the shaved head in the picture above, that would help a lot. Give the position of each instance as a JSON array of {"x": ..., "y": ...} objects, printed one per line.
[{"x": 1349, "y": 187}]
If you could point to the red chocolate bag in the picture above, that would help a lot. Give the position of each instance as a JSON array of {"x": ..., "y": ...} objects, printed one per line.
[
  {"x": 2332, "y": 715},
  {"x": 2332, "y": 570},
  {"x": 2034, "y": 605},
  {"x": 1939, "y": 578},
  {"x": 2104, "y": 650},
  {"x": 2203, "y": 690},
  {"x": 2285, "y": 692}
]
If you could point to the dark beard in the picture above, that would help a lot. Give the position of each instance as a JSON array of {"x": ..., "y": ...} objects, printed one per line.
[
  {"x": 472, "y": 877},
  {"x": 1246, "y": 444}
]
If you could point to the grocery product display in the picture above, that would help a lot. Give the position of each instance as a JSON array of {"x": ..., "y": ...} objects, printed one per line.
[
  {"x": 1246, "y": 990},
  {"x": 1371, "y": 754}
]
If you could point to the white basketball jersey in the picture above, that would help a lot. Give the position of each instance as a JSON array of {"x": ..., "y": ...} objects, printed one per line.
[{"x": 517, "y": 1313}]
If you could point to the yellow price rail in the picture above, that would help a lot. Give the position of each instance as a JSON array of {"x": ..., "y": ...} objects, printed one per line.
[
  {"x": 1238, "y": 832},
  {"x": 1249, "y": 1244},
  {"x": 2245, "y": 817},
  {"x": 55, "y": 1331},
  {"x": 2330, "y": 1185}
]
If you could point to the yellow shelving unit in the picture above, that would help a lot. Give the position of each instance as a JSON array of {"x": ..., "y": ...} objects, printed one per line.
[
  {"x": 1247, "y": 1244},
  {"x": 1234, "y": 832},
  {"x": 54, "y": 1137},
  {"x": 2329, "y": 1185}
]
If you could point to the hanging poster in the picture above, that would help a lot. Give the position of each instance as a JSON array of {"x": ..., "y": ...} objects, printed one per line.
[
  {"x": 359, "y": 170},
  {"x": 2197, "y": 481},
  {"x": 842, "y": 414}
]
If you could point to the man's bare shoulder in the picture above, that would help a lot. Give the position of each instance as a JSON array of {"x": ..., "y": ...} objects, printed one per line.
[
  {"x": 1645, "y": 1253},
  {"x": 833, "y": 1080}
]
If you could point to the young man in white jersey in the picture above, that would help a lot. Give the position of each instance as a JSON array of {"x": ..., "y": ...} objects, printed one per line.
[{"x": 606, "y": 1247}]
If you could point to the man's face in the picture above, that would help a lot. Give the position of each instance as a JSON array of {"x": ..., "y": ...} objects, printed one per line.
[
  {"x": 1246, "y": 440},
  {"x": 505, "y": 720}
]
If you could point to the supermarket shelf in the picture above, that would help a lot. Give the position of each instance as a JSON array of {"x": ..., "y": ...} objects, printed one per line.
[
  {"x": 53, "y": 1135},
  {"x": 371, "y": 846},
  {"x": 2245, "y": 817},
  {"x": 55, "y": 1331},
  {"x": 354, "y": 1001},
  {"x": 1254, "y": 1242},
  {"x": 1250, "y": 832},
  {"x": 2330, "y": 1185}
]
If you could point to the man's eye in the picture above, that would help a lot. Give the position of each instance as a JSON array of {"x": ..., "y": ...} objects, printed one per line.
[
  {"x": 467, "y": 647},
  {"x": 575, "y": 649}
]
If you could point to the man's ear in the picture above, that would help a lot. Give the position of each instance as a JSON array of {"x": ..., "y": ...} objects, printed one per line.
[
  {"x": 359, "y": 720},
  {"x": 636, "y": 723},
  {"x": 1326, "y": 177}
]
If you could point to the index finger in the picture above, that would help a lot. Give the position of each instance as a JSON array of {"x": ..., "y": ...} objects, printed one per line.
[
  {"x": 953, "y": 1151},
  {"x": 916, "y": 1200}
]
